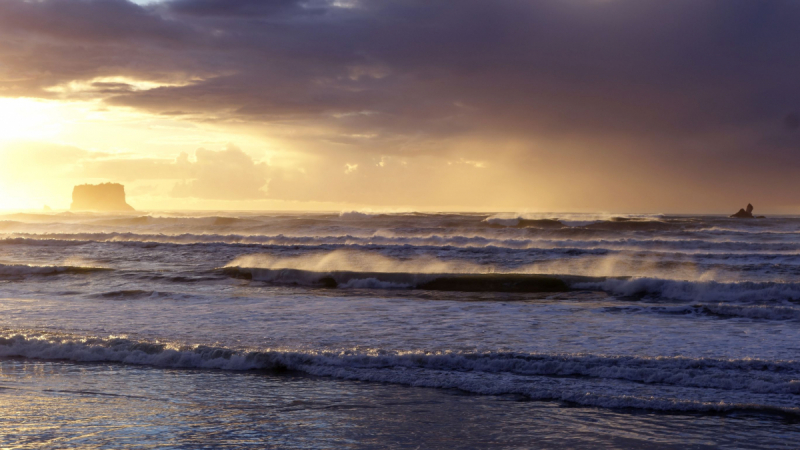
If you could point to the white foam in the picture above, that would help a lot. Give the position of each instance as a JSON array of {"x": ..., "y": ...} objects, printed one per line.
[
  {"x": 504, "y": 221},
  {"x": 356, "y": 215},
  {"x": 669, "y": 384},
  {"x": 354, "y": 261},
  {"x": 17, "y": 270},
  {"x": 677, "y": 246},
  {"x": 568, "y": 219}
]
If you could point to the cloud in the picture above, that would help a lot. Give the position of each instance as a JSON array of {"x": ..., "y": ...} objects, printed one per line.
[
  {"x": 27, "y": 160},
  {"x": 566, "y": 89},
  {"x": 125, "y": 169},
  {"x": 239, "y": 8},
  {"x": 230, "y": 174},
  {"x": 475, "y": 164},
  {"x": 548, "y": 67}
]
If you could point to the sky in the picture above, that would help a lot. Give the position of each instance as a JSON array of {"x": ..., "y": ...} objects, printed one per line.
[{"x": 680, "y": 106}]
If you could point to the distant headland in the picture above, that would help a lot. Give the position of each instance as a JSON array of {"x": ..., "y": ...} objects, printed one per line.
[{"x": 100, "y": 197}]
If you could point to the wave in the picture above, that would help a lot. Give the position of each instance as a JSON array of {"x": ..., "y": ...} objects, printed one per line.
[
  {"x": 459, "y": 282},
  {"x": 22, "y": 270},
  {"x": 358, "y": 269},
  {"x": 575, "y": 220},
  {"x": 137, "y": 294},
  {"x": 683, "y": 246},
  {"x": 721, "y": 310},
  {"x": 344, "y": 268},
  {"x": 126, "y": 221},
  {"x": 127, "y": 294},
  {"x": 358, "y": 215},
  {"x": 520, "y": 222},
  {"x": 697, "y": 291},
  {"x": 45, "y": 242},
  {"x": 663, "y": 383},
  {"x": 212, "y": 221},
  {"x": 40, "y": 217},
  {"x": 648, "y": 288},
  {"x": 561, "y": 224},
  {"x": 765, "y": 312}
]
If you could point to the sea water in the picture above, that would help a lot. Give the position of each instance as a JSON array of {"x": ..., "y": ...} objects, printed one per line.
[{"x": 409, "y": 330}]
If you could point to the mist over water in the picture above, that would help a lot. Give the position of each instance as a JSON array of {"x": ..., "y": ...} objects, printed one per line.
[{"x": 620, "y": 316}]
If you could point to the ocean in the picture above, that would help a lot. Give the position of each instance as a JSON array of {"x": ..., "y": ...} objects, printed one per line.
[{"x": 402, "y": 330}]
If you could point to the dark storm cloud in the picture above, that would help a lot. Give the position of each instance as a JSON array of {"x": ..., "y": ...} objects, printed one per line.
[
  {"x": 90, "y": 21},
  {"x": 668, "y": 76},
  {"x": 662, "y": 59},
  {"x": 47, "y": 43},
  {"x": 240, "y": 8},
  {"x": 792, "y": 121}
]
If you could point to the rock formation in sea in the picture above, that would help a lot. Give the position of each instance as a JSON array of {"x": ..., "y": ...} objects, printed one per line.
[
  {"x": 746, "y": 214},
  {"x": 99, "y": 197}
]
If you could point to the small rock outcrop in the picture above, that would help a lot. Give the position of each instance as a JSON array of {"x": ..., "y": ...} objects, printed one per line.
[
  {"x": 746, "y": 213},
  {"x": 99, "y": 197}
]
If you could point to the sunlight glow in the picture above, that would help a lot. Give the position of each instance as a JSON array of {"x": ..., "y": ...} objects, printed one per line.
[
  {"x": 25, "y": 118},
  {"x": 121, "y": 84}
]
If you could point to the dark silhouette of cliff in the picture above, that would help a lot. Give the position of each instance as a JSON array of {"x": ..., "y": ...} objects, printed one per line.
[{"x": 99, "y": 197}]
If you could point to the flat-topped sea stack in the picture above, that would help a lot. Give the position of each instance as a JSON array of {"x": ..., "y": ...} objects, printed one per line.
[{"x": 99, "y": 197}]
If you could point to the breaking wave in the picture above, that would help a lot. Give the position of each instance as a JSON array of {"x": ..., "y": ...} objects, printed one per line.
[
  {"x": 650, "y": 288},
  {"x": 358, "y": 269},
  {"x": 458, "y": 282},
  {"x": 684, "y": 246},
  {"x": 692, "y": 286},
  {"x": 664, "y": 383},
  {"x": 620, "y": 222},
  {"x": 22, "y": 270},
  {"x": 357, "y": 215},
  {"x": 521, "y": 222},
  {"x": 348, "y": 269}
]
